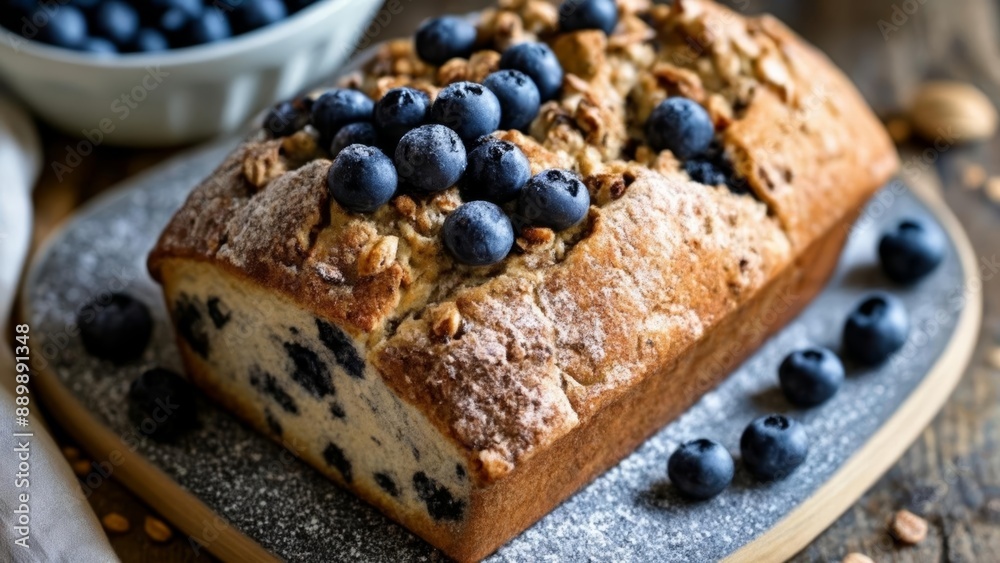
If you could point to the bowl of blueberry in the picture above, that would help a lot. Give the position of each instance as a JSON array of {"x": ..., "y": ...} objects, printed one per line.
[{"x": 165, "y": 72}]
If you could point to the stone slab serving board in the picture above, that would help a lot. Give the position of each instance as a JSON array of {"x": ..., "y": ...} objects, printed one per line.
[{"x": 262, "y": 494}]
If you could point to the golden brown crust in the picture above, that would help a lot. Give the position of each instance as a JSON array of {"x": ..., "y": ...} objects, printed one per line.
[{"x": 549, "y": 338}]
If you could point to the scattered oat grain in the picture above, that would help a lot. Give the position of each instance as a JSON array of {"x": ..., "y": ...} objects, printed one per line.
[
  {"x": 857, "y": 558},
  {"x": 115, "y": 523},
  {"x": 157, "y": 530},
  {"x": 973, "y": 176},
  {"x": 908, "y": 528},
  {"x": 81, "y": 467},
  {"x": 993, "y": 357},
  {"x": 992, "y": 188},
  {"x": 899, "y": 129},
  {"x": 953, "y": 112},
  {"x": 71, "y": 453}
]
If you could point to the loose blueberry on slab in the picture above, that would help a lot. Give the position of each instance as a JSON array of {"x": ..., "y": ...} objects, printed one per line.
[
  {"x": 362, "y": 179},
  {"x": 773, "y": 447},
  {"x": 398, "y": 112},
  {"x": 162, "y": 405},
  {"x": 249, "y": 15},
  {"x": 681, "y": 126},
  {"x": 539, "y": 63},
  {"x": 554, "y": 198},
  {"x": 478, "y": 233},
  {"x": 149, "y": 41},
  {"x": 518, "y": 96},
  {"x": 66, "y": 27},
  {"x": 575, "y": 15},
  {"x": 360, "y": 133},
  {"x": 496, "y": 173},
  {"x": 469, "y": 109},
  {"x": 337, "y": 108},
  {"x": 430, "y": 158},
  {"x": 115, "y": 20},
  {"x": 116, "y": 328},
  {"x": 911, "y": 250},
  {"x": 876, "y": 329},
  {"x": 811, "y": 377},
  {"x": 701, "y": 469},
  {"x": 440, "y": 39}
]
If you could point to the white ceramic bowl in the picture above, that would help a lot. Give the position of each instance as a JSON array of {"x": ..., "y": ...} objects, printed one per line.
[{"x": 183, "y": 95}]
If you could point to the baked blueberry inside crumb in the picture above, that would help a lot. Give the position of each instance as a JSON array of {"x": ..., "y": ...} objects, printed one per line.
[
  {"x": 334, "y": 457},
  {"x": 219, "y": 313},
  {"x": 337, "y": 411},
  {"x": 309, "y": 371},
  {"x": 345, "y": 352},
  {"x": 387, "y": 484},
  {"x": 272, "y": 423},
  {"x": 191, "y": 324},
  {"x": 441, "y": 505},
  {"x": 268, "y": 384}
]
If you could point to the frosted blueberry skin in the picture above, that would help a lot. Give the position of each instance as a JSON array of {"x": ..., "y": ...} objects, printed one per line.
[
  {"x": 701, "y": 469},
  {"x": 478, "y": 233},
  {"x": 554, "y": 198},
  {"x": 115, "y": 328},
  {"x": 430, "y": 158},
  {"x": 911, "y": 250},
  {"x": 337, "y": 108},
  {"x": 773, "y": 447},
  {"x": 497, "y": 171},
  {"x": 518, "y": 96},
  {"x": 539, "y": 63},
  {"x": 469, "y": 109},
  {"x": 439, "y": 40},
  {"x": 576, "y": 15},
  {"x": 116, "y": 21},
  {"x": 162, "y": 405},
  {"x": 362, "y": 179},
  {"x": 876, "y": 329},
  {"x": 249, "y": 15},
  {"x": 286, "y": 118},
  {"x": 398, "y": 112},
  {"x": 681, "y": 126},
  {"x": 66, "y": 27},
  {"x": 360, "y": 133},
  {"x": 811, "y": 377}
]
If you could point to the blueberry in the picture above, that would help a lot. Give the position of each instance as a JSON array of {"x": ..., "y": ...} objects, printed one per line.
[
  {"x": 469, "y": 109},
  {"x": 115, "y": 20},
  {"x": 99, "y": 46},
  {"x": 149, "y": 40},
  {"x": 115, "y": 329},
  {"x": 773, "y": 447},
  {"x": 13, "y": 12},
  {"x": 362, "y": 179},
  {"x": 249, "y": 15},
  {"x": 478, "y": 233},
  {"x": 518, "y": 96},
  {"x": 496, "y": 173},
  {"x": 209, "y": 27},
  {"x": 682, "y": 126},
  {"x": 810, "y": 377},
  {"x": 337, "y": 108},
  {"x": 876, "y": 329},
  {"x": 430, "y": 158},
  {"x": 715, "y": 170},
  {"x": 360, "y": 133},
  {"x": 540, "y": 64},
  {"x": 296, "y": 5},
  {"x": 911, "y": 250},
  {"x": 286, "y": 118},
  {"x": 575, "y": 15},
  {"x": 556, "y": 199},
  {"x": 162, "y": 405},
  {"x": 174, "y": 24},
  {"x": 152, "y": 10},
  {"x": 700, "y": 469},
  {"x": 441, "y": 39},
  {"x": 64, "y": 26},
  {"x": 398, "y": 112}
]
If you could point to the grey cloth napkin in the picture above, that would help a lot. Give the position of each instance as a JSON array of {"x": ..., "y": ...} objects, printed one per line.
[{"x": 60, "y": 525}]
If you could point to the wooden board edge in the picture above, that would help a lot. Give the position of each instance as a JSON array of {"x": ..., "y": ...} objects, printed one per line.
[
  {"x": 876, "y": 456},
  {"x": 181, "y": 508}
]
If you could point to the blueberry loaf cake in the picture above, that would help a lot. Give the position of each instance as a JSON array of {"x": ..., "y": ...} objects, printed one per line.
[{"x": 490, "y": 263}]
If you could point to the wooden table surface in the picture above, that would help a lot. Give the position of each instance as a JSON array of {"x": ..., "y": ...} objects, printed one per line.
[{"x": 951, "y": 475}]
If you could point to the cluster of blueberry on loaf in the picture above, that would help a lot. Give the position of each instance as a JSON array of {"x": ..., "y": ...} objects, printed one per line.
[
  {"x": 462, "y": 301},
  {"x": 108, "y": 27}
]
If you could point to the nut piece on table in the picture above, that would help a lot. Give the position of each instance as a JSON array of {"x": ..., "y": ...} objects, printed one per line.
[
  {"x": 908, "y": 528},
  {"x": 115, "y": 523},
  {"x": 857, "y": 558},
  {"x": 953, "y": 112},
  {"x": 157, "y": 530}
]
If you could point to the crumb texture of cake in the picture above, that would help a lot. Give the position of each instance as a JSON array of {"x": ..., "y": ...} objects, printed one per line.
[{"x": 443, "y": 393}]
